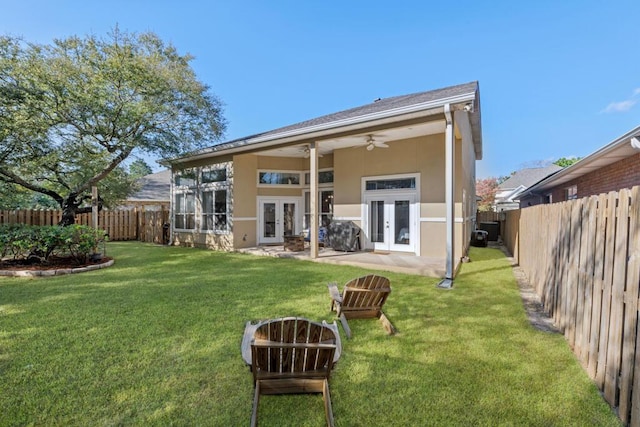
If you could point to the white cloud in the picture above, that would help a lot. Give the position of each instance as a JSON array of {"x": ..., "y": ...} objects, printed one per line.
[
  {"x": 620, "y": 107},
  {"x": 623, "y": 106}
]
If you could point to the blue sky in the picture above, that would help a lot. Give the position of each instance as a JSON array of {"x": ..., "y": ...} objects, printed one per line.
[{"x": 557, "y": 78}]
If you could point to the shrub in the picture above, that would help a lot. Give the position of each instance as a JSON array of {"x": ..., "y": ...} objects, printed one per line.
[{"x": 24, "y": 242}]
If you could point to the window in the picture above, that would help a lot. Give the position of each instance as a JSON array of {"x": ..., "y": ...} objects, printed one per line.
[
  {"x": 391, "y": 184},
  {"x": 324, "y": 177},
  {"x": 279, "y": 178},
  {"x": 547, "y": 199},
  {"x": 214, "y": 175},
  {"x": 571, "y": 193},
  {"x": 186, "y": 178},
  {"x": 326, "y": 208},
  {"x": 214, "y": 210},
  {"x": 185, "y": 211}
]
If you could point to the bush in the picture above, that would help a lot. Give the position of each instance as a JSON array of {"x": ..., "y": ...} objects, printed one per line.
[{"x": 28, "y": 242}]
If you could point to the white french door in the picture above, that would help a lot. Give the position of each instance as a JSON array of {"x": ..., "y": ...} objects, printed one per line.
[
  {"x": 277, "y": 218},
  {"x": 391, "y": 222}
]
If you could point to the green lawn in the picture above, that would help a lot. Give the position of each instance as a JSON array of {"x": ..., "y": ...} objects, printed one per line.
[{"x": 155, "y": 340}]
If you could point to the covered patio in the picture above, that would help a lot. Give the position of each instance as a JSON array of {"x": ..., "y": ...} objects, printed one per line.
[{"x": 396, "y": 262}]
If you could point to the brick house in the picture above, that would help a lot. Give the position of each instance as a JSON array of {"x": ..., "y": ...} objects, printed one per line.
[{"x": 613, "y": 167}]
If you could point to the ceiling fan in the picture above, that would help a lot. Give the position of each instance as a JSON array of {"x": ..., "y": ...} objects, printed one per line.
[{"x": 372, "y": 143}]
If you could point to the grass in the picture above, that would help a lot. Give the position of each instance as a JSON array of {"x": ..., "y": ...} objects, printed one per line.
[{"x": 155, "y": 340}]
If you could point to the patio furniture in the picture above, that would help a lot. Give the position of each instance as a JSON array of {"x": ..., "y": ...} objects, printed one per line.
[
  {"x": 344, "y": 236},
  {"x": 294, "y": 243},
  {"x": 362, "y": 298},
  {"x": 291, "y": 355}
]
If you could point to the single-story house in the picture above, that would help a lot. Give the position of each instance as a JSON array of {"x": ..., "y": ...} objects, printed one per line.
[
  {"x": 509, "y": 191},
  {"x": 613, "y": 167},
  {"x": 154, "y": 191},
  {"x": 401, "y": 169}
]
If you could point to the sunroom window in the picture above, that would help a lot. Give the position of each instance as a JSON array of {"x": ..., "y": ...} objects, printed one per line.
[
  {"x": 185, "y": 211},
  {"x": 215, "y": 210}
]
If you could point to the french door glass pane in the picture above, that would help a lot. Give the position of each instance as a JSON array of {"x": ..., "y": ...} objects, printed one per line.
[
  {"x": 401, "y": 222},
  {"x": 269, "y": 216},
  {"x": 289, "y": 217},
  {"x": 377, "y": 221}
]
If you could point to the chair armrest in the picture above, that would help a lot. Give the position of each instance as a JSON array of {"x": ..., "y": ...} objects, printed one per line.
[
  {"x": 334, "y": 292},
  {"x": 245, "y": 347}
]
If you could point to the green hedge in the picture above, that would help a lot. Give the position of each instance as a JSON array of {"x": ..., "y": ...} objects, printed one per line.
[{"x": 40, "y": 243}]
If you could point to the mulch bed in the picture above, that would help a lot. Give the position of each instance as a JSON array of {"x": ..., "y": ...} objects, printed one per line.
[{"x": 54, "y": 263}]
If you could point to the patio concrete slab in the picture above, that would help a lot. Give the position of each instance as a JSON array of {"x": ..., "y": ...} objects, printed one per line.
[{"x": 395, "y": 262}]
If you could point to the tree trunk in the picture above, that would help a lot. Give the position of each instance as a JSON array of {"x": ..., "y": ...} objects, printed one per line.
[{"x": 69, "y": 208}]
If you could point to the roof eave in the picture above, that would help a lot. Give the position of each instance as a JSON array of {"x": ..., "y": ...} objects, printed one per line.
[
  {"x": 583, "y": 163},
  {"x": 321, "y": 130}
]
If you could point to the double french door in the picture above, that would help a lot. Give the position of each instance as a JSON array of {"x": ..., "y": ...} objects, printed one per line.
[
  {"x": 278, "y": 218},
  {"x": 391, "y": 222}
]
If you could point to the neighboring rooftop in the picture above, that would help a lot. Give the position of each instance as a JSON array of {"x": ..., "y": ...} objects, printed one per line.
[
  {"x": 529, "y": 176},
  {"x": 153, "y": 187}
]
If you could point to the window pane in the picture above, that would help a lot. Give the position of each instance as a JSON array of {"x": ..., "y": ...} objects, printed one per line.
[
  {"x": 324, "y": 177},
  {"x": 377, "y": 221},
  {"x": 401, "y": 216},
  {"x": 221, "y": 222},
  {"x": 221, "y": 202},
  {"x": 279, "y": 178},
  {"x": 191, "y": 203},
  {"x": 179, "y": 203},
  {"x": 207, "y": 202},
  {"x": 186, "y": 178},
  {"x": 391, "y": 184},
  {"x": 215, "y": 175},
  {"x": 179, "y": 220}
]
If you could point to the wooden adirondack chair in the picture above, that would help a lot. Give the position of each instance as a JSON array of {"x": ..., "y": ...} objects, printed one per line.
[
  {"x": 291, "y": 355},
  {"x": 362, "y": 298}
]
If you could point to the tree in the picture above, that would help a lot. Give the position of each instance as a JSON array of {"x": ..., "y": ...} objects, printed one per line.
[
  {"x": 486, "y": 189},
  {"x": 139, "y": 168},
  {"x": 566, "y": 161},
  {"x": 72, "y": 112}
]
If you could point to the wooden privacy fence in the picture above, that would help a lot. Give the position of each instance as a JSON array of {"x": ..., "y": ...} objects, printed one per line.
[
  {"x": 490, "y": 216},
  {"x": 583, "y": 259},
  {"x": 126, "y": 224}
]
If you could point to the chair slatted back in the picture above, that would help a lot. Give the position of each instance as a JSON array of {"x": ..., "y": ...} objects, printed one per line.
[
  {"x": 366, "y": 293},
  {"x": 291, "y": 348}
]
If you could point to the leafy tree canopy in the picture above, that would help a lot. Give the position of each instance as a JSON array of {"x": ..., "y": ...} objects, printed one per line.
[
  {"x": 139, "y": 168},
  {"x": 566, "y": 161},
  {"x": 486, "y": 189},
  {"x": 73, "y": 111}
]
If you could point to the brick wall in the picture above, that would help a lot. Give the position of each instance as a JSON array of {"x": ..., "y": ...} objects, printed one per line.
[{"x": 624, "y": 173}]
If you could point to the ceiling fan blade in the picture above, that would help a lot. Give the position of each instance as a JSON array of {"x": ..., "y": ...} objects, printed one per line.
[{"x": 381, "y": 144}]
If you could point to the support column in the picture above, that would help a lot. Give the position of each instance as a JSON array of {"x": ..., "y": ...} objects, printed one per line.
[
  {"x": 447, "y": 282},
  {"x": 313, "y": 188}
]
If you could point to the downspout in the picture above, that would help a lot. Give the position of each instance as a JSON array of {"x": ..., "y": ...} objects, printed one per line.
[
  {"x": 447, "y": 282},
  {"x": 314, "y": 226}
]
